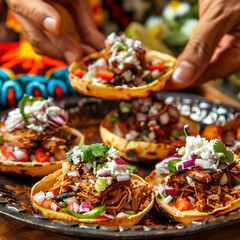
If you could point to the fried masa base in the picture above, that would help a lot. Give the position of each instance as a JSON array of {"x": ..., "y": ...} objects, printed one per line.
[
  {"x": 38, "y": 169},
  {"x": 119, "y": 92},
  {"x": 47, "y": 182},
  {"x": 140, "y": 151},
  {"x": 188, "y": 216}
]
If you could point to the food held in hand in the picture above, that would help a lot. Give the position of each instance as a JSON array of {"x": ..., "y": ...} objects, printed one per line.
[{"x": 124, "y": 69}]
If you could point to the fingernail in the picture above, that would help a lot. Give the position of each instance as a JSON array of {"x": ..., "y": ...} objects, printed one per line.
[
  {"x": 49, "y": 24},
  {"x": 70, "y": 56},
  {"x": 184, "y": 72}
]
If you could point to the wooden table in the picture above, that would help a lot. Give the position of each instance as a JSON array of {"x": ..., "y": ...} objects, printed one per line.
[{"x": 13, "y": 230}]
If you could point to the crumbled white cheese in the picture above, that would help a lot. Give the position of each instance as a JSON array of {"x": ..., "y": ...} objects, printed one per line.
[{"x": 113, "y": 154}]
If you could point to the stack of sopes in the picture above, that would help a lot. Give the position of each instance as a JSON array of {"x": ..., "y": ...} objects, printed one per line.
[
  {"x": 93, "y": 186},
  {"x": 35, "y": 137},
  {"x": 201, "y": 181}
]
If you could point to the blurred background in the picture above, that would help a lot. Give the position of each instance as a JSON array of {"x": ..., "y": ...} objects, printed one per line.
[{"x": 161, "y": 25}]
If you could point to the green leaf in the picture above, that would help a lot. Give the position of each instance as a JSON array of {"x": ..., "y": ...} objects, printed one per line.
[
  {"x": 113, "y": 118},
  {"x": 69, "y": 157},
  {"x": 83, "y": 147},
  {"x": 159, "y": 196},
  {"x": 1, "y": 139},
  {"x": 99, "y": 150},
  {"x": 88, "y": 156},
  {"x": 220, "y": 147},
  {"x": 172, "y": 165}
]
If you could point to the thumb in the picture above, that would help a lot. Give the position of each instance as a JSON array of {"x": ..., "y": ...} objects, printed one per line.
[
  {"x": 198, "y": 52},
  {"x": 39, "y": 13}
]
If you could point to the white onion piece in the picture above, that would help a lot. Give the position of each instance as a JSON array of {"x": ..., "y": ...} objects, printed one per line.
[
  {"x": 39, "y": 197},
  {"x": 104, "y": 173},
  {"x": 55, "y": 207},
  {"x": 223, "y": 180},
  {"x": 156, "y": 62},
  {"x": 237, "y": 187},
  {"x": 164, "y": 118},
  {"x": 93, "y": 70},
  {"x": 141, "y": 117},
  {"x": 121, "y": 178},
  {"x": 168, "y": 199},
  {"x": 161, "y": 188},
  {"x": 75, "y": 160},
  {"x": 151, "y": 136},
  {"x": 173, "y": 112},
  {"x": 49, "y": 195},
  {"x": 107, "y": 215},
  {"x": 155, "y": 74},
  {"x": 88, "y": 166},
  {"x": 19, "y": 154},
  {"x": 101, "y": 62},
  {"x": 155, "y": 187},
  {"x": 122, "y": 214},
  {"x": 171, "y": 191},
  {"x": 76, "y": 207},
  {"x": 74, "y": 173},
  {"x": 127, "y": 75},
  {"x": 146, "y": 139},
  {"x": 70, "y": 200}
]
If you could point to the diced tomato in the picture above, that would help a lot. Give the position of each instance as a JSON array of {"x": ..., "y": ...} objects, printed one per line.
[
  {"x": 159, "y": 67},
  {"x": 102, "y": 217},
  {"x": 6, "y": 153},
  {"x": 105, "y": 74},
  {"x": 78, "y": 72},
  {"x": 162, "y": 181},
  {"x": 47, "y": 203},
  {"x": 159, "y": 131},
  {"x": 23, "y": 159},
  {"x": 183, "y": 204},
  {"x": 41, "y": 155}
]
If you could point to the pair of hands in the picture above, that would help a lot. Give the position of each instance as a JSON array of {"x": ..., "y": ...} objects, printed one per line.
[{"x": 212, "y": 52}]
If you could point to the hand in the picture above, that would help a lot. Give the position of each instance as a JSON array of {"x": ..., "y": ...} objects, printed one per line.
[
  {"x": 214, "y": 49},
  {"x": 43, "y": 27}
]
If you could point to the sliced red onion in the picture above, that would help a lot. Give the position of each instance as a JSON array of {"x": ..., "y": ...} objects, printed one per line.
[
  {"x": 84, "y": 207},
  {"x": 49, "y": 195},
  {"x": 16, "y": 125},
  {"x": 224, "y": 179},
  {"x": 122, "y": 178},
  {"x": 37, "y": 119},
  {"x": 88, "y": 166},
  {"x": 232, "y": 165},
  {"x": 39, "y": 197},
  {"x": 190, "y": 199},
  {"x": 55, "y": 207},
  {"x": 86, "y": 63},
  {"x": 171, "y": 191},
  {"x": 141, "y": 117},
  {"x": 62, "y": 117},
  {"x": 70, "y": 200},
  {"x": 168, "y": 199},
  {"x": 54, "y": 123},
  {"x": 120, "y": 161},
  {"x": 70, "y": 151},
  {"x": 104, "y": 173},
  {"x": 73, "y": 136},
  {"x": 74, "y": 173},
  {"x": 155, "y": 74},
  {"x": 162, "y": 167}
]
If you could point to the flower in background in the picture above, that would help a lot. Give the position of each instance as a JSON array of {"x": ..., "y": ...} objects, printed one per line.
[
  {"x": 157, "y": 27},
  {"x": 189, "y": 26},
  {"x": 176, "y": 9}
]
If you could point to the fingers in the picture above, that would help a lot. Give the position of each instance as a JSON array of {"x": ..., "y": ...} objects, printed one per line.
[
  {"x": 225, "y": 60},
  {"x": 39, "y": 13},
  {"x": 82, "y": 15},
  {"x": 200, "y": 48},
  {"x": 56, "y": 46}
]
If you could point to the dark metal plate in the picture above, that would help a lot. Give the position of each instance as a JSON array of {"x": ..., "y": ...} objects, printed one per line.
[{"x": 86, "y": 114}]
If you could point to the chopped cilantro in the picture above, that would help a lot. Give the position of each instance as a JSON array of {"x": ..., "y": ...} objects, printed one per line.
[
  {"x": 69, "y": 157},
  {"x": 1, "y": 139},
  {"x": 100, "y": 165},
  {"x": 144, "y": 133},
  {"x": 148, "y": 78},
  {"x": 159, "y": 196},
  {"x": 139, "y": 139},
  {"x": 131, "y": 168},
  {"x": 113, "y": 118},
  {"x": 99, "y": 150},
  {"x": 220, "y": 147},
  {"x": 87, "y": 156}
]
